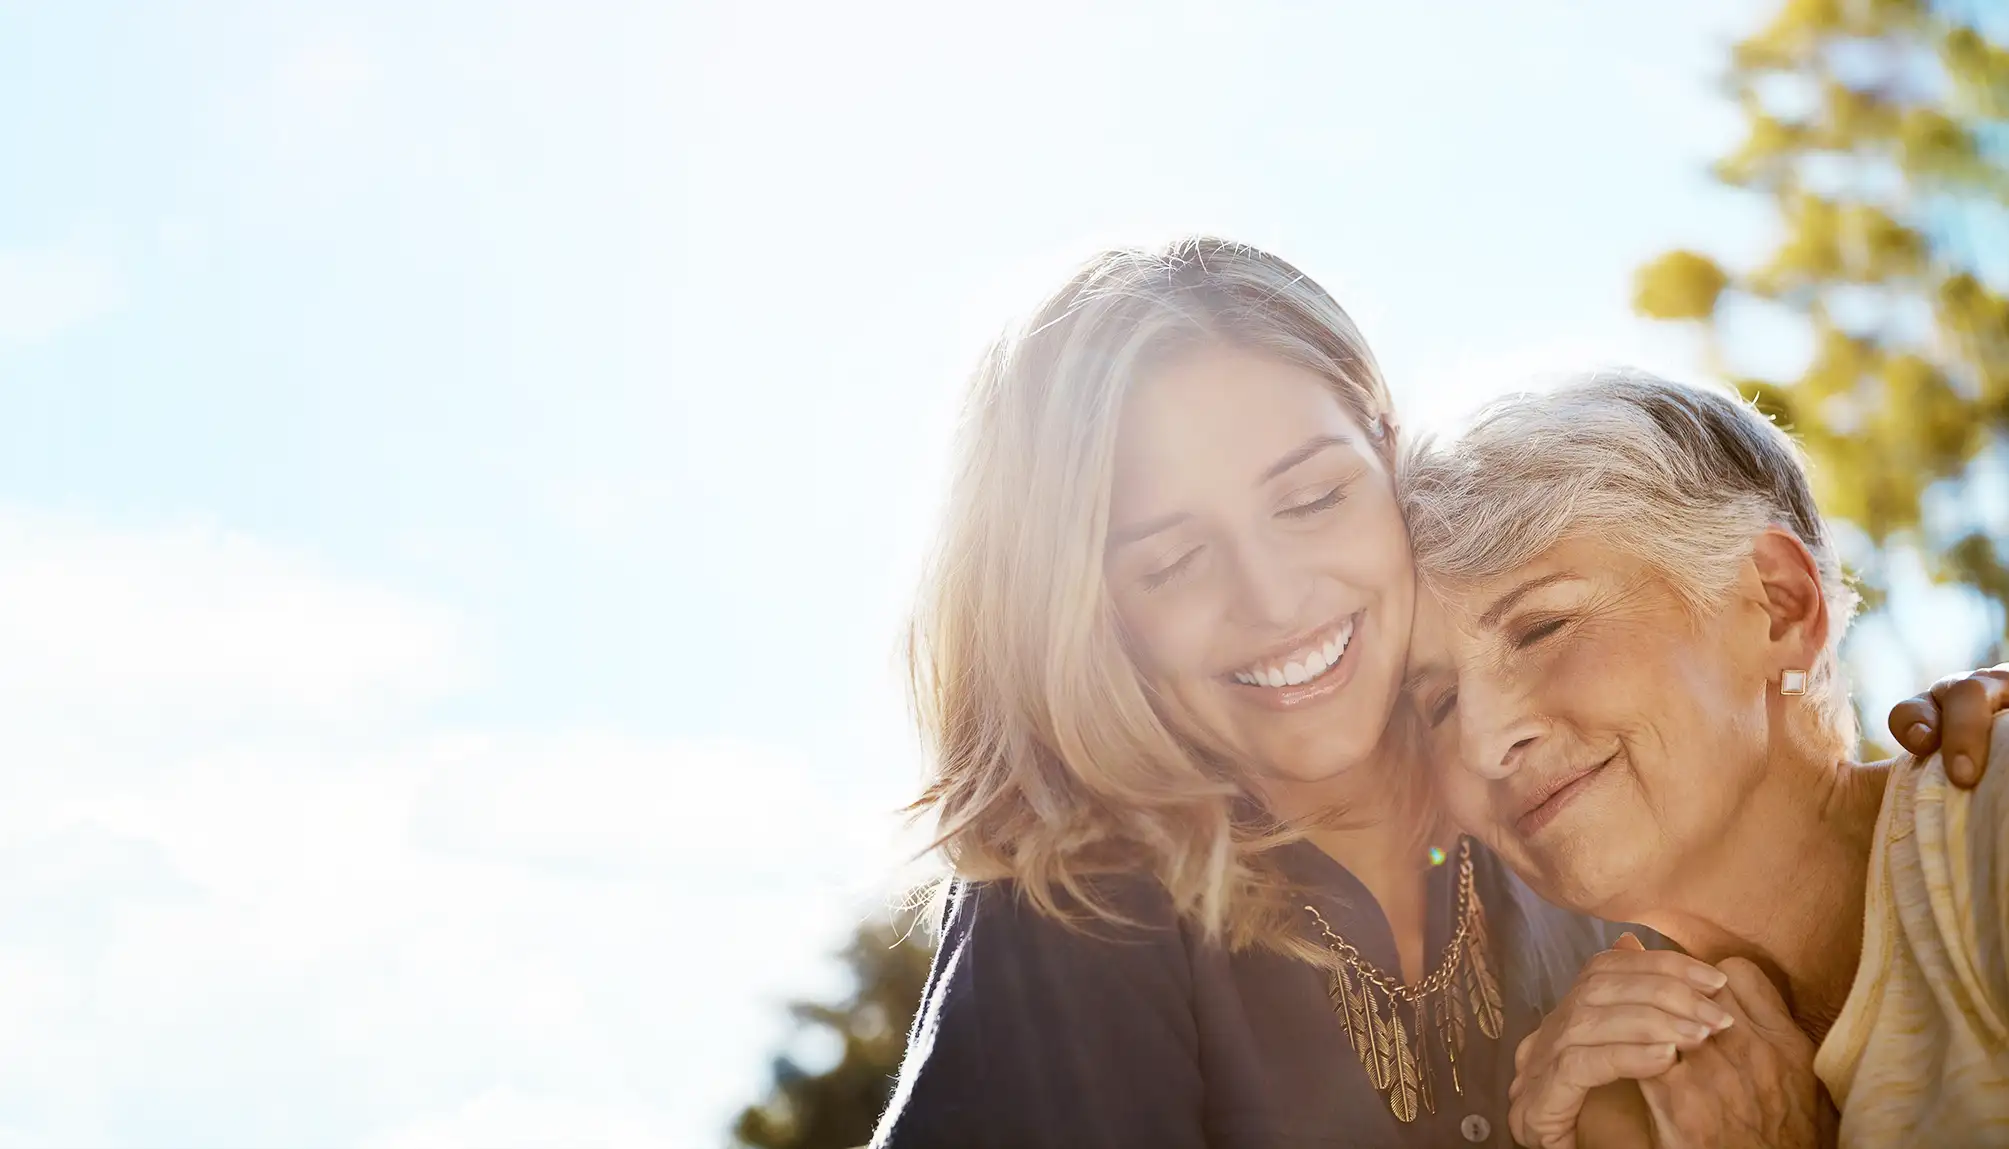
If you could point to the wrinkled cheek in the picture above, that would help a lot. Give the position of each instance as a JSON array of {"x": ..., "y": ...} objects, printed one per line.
[{"x": 1691, "y": 792}]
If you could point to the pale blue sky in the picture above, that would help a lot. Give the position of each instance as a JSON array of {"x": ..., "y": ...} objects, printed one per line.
[{"x": 462, "y": 464}]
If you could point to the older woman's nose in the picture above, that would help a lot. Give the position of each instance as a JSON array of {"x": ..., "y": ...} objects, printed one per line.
[{"x": 1499, "y": 731}]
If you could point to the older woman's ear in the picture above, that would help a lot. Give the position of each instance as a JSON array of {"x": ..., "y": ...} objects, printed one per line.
[
  {"x": 1957, "y": 712},
  {"x": 1792, "y": 599}
]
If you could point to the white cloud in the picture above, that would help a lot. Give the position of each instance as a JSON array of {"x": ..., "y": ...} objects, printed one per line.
[
  {"x": 612, "y": 803},
  {"x": 47, "y": 291},
  {"x": 191, "y": 623},
  {"x": 385, "y": 940},
  {"x": 386, "y": 930},
  {"x": 323, "y": 82}
]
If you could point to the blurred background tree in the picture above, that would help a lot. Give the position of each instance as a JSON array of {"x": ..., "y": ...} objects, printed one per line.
[
  {"x": 836, "y": 1108},
  {"x": 1879, "y": 130}
]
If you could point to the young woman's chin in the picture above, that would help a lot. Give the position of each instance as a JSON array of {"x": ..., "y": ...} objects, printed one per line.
[
  {"x": 1332, "y": 753},
  {"x": 1314, "y": 771}
]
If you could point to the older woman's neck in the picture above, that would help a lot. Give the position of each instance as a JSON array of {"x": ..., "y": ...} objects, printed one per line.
[{"x": 1784, "y": 885}]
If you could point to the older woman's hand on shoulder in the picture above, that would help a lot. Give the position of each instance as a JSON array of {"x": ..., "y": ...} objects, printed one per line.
[
  {"x": 1955, "y": 714},
  {"x": 1717, "y": 1059}
]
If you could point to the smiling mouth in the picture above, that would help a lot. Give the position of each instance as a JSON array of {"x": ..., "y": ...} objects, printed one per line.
[
  {"x": 1548, "y": 805},
  {"x": 1307, "y": 664}
]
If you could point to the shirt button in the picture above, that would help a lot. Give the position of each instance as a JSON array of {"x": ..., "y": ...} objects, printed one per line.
[{"x": 1475, "y": 1128}]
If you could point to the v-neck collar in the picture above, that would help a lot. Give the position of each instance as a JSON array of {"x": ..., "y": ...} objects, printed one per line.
[{"x": 1354, "y": 914}]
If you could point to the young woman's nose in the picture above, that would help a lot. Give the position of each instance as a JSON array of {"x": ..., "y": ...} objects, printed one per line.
[{"x": 1269, "y": 587}]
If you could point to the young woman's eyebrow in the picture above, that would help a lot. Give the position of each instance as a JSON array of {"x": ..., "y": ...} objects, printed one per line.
[
  {"x": 1138, "y": 532},
  {"x": 1299, "y": 454}
]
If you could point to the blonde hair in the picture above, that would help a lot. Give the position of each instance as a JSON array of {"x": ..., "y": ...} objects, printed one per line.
[
  {"x": 1681, "y": 477},
  {"x": 1050, "y": 762}
]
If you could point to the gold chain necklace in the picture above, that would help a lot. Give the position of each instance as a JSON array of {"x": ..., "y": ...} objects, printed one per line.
[{"x": 1397, "y": 1056}]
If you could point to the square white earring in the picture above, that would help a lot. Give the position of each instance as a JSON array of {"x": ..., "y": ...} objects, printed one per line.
[{"x": 1793, "y": 682}]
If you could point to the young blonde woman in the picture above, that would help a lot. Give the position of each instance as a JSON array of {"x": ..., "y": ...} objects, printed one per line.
[{"x": 1203, "y": 897}]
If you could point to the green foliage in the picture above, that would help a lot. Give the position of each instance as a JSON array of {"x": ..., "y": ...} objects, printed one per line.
[
  {"x": 837, "y": 1108},
  {"x": 1879, "y": 129}
]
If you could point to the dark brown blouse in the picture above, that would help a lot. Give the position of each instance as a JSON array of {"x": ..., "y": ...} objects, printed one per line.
[{"x": 1035, "y": 1036}]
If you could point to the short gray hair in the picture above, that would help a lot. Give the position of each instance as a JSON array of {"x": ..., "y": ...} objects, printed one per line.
[{"x": 1681, "y": 477}]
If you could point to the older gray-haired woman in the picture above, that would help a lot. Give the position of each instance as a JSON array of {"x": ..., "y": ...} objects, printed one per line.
[{"x": 1635, "y": 692}]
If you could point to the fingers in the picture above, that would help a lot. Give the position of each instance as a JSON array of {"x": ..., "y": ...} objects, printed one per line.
[
  {"x": 1629, "y": 997},
  {"x": 1915, "y": 724},
  {"x": 1636, "y": 959},
  {"x": 1968, "y": 706},
  {"x": 1663, "y": 1095},
  {"x": 1665, "y": 981},
  {"x": 1630, "y": 1013},
  {"x": 1758, "y": 1076},
  {"x": 1581, "y": 1027},
  {"x": 1641, "y": 1026},
  {"x": 1636, "y": 1025},
  {"x": 1543, "y": 1110},
  {"x": 1757, "y": 998},
  {"x": 1707, "y": 1091}
]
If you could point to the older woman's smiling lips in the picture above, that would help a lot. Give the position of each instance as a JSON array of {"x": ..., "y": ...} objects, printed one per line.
[{"x": 1548, "y": 802}]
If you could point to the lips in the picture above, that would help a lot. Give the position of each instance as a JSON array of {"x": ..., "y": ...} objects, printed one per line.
[
  {"x": 1547, "y": 802},
  {"x": 1301, "y": 662},
  {"x": 1347, "y": 635}
]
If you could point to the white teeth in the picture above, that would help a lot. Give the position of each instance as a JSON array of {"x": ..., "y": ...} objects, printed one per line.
[{"x": 1305, "y": 668}]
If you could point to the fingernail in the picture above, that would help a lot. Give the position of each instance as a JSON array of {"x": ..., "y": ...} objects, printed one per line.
[
  {"x": 1716, "y": 1018},
  {"x": 1708, "y": 977},
  {"x": 1693, "y": 1031},
  {"x": 1669, "y": 1053},
  {"x": 1919, "y": 732},
  {"x": 1962, "y": 767}
]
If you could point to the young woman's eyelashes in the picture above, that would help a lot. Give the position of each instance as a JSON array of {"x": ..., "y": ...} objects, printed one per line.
[
  {"x": 1317, "y": 501},
  {"x": 1157, "y": 578},
  {"x": 1332, "y": 497}
]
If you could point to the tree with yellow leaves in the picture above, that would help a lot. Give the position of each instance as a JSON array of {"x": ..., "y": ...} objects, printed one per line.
[{"x": 1880, "y": 131}]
